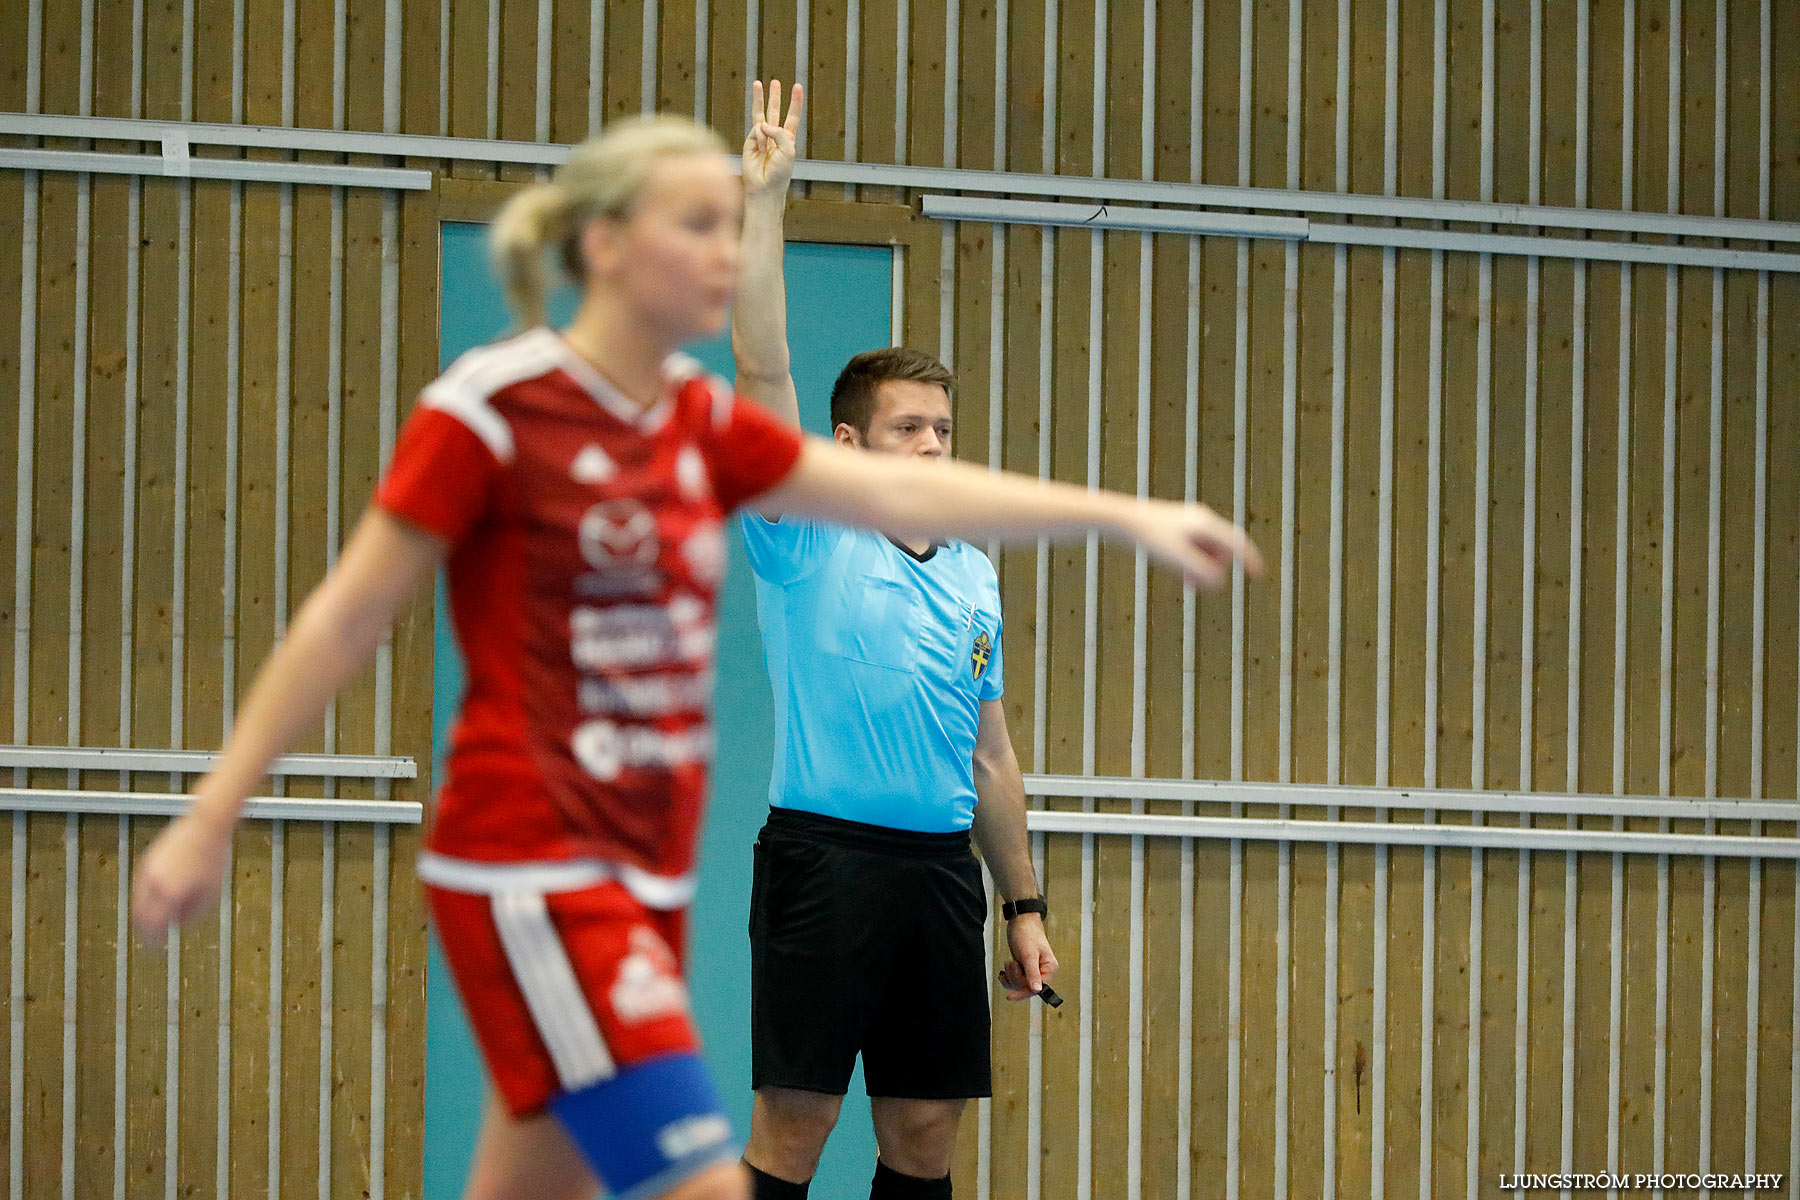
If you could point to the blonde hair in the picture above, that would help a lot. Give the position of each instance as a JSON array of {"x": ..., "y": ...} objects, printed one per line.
[{"x": 602, "y": 178}]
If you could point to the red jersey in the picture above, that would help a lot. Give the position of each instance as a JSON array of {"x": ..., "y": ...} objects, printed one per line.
[{"x": 587, "y": 551}]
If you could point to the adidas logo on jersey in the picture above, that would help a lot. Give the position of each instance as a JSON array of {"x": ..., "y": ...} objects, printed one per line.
[{"x": 592, "y": 466}]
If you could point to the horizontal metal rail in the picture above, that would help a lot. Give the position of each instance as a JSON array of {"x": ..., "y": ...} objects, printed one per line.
[
  {"x": 1113, "y": 216},
  {"x": 177, "y": 133},
  {"x": 195, "y": 762},
  {"x": 169, "y": 804},
  {"x": 249, "y": 170},
  {"x": 1398, "y": 833},
  {"x": 1206, "y": 791},
  {"x": 1583, "y": 249},
  {"x": 1185, "y": 221}
]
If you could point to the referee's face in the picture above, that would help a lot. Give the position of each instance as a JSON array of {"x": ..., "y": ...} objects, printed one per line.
[{"x": 911, "y": 418}]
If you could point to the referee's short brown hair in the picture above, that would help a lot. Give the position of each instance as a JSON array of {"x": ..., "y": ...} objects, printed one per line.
[{"x": 853, "y": 395}]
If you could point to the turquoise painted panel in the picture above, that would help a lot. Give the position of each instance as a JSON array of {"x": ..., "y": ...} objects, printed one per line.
[{"x": 839, "y": 300}]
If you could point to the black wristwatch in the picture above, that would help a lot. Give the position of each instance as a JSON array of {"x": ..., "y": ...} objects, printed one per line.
[{"x": 1032, "y": 904}]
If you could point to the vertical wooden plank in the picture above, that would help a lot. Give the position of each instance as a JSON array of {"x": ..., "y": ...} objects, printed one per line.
[
  {"x": 1360, "y": 583},
  {"x": 352, "y": 1017},
  {"x": 1411, "y": 391},
  {"x": 1781, "y": 645},
  {"x": 12, "y": 208},
  {"x": 1064, "y": 712},
  {"x": 973, "y": 281},
  {"x": 728, "y": 91},
  {"x": 876, "y": 140},
  {"x": 925, "y": 82},
  {"x": 1543, "y": 1136},
  {"x": 1550, "y": 745},
  {"x": 96, "y": 950},
  {"x": 1451, "y": 1019},
  {"x": 1600, "y": 571},
  {"x": 1405, "y": 950},
  {"x": 1741, "y": 899},
  {"x": 624, "y": 58},
  {"x": 420, "y": 35},
  {"x": 1014, "y": 1101},
  {"x": 1166, "y": 636},
  {"x": 155, "y": 670},
  {"x": 207, "y": 624},
  {"x": 1122, "y": 80},
  {"x": 42, "y": 940},
  {"x": 1774, "y": 1021},
  {"x": 518, "y": 74},
  {"x": 1781, "y": 746},
  {"x": 306, "y": 485},
  {"x": 298, "y": 957},
  {"x": 353, "y": 987},
  {"x": 1074, "y": 281},
  {"x": 828, "y": 90},
  {"x": 407, "y": 947},
  {"x": 101, "y": 625},
  {"x": 1018, "y": 582},
  {"x": 1496, "y": 1022},
  {"x": 675, "y": 56},
  {"x": 202, "y": 674},
  {"x": 1595, "y": 766},
  {"x": 777, "y": 41},
  {"x": 1162, "y": 719},
  {"x": 1312, "y": 733},
  {"x": 1457, "y": 611},
  {"x": 469, "y": 50},
  {"x": 569, "y": 47},
  {"x": 253, "y": 882}
]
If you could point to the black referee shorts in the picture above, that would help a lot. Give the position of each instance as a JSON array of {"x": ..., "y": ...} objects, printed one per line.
[{"x": 867, "y": 940}]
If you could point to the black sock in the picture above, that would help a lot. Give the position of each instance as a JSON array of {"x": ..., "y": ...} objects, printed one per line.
[
  {"x": 764, "y": 1186},
  {"x": 890, "y": 1184}
]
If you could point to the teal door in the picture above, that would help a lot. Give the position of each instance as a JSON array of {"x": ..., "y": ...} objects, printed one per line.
[{"x": 839, "y": 302}]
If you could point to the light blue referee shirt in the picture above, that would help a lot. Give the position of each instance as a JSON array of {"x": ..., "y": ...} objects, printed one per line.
[{"x": 879, "y": 660}]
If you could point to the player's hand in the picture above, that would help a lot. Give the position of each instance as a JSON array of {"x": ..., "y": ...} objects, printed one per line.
[
  {"x": 180, "y": 874},
  {"x": 772, "y": 146},
  {"x": 1033, "y": 962},
  {"x": 1194, "y": 540}
]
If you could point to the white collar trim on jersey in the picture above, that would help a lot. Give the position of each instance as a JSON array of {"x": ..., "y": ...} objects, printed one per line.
[{"x": 609, "y": 397}]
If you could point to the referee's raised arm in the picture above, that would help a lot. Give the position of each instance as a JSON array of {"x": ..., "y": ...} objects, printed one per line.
[{"x": 759, "y": 318}]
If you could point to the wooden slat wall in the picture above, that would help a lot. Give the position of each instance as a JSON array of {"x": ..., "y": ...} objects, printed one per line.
[{"x": 182, "y": 474}]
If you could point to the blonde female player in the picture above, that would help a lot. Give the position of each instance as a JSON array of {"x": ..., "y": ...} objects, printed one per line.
[{"x": 575, "y": 481}]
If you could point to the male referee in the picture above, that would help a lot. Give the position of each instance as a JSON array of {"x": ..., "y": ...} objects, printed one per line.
[{"x": 891, "y": 748}]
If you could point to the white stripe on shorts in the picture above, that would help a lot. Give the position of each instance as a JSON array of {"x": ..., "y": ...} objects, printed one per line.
[
  {"x": 553, "y": 994},
  {"x": 662, "y": 892}
]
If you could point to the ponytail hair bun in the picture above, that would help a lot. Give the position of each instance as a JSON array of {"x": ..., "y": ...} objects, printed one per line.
[{"x": 601, "y": 179}]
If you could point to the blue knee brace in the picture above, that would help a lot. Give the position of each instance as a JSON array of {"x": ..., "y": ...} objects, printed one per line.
[{"x": 650, "y": 1127}]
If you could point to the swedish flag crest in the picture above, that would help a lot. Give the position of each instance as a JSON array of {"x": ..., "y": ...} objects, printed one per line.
[{"x": 981, "y": 654}]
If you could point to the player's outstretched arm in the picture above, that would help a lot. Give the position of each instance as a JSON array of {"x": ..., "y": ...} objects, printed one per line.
[
  {"x": 334, "y": 635},
  {"x": 908, "y": 497},
  {"x": 759, "y": 318}
]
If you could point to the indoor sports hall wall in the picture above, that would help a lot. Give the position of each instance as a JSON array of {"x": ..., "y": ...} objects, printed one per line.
[{"x": 1532, "y": 512}]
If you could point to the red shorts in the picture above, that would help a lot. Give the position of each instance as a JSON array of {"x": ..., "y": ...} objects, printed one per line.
[{"x": 564, "y": 989}]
